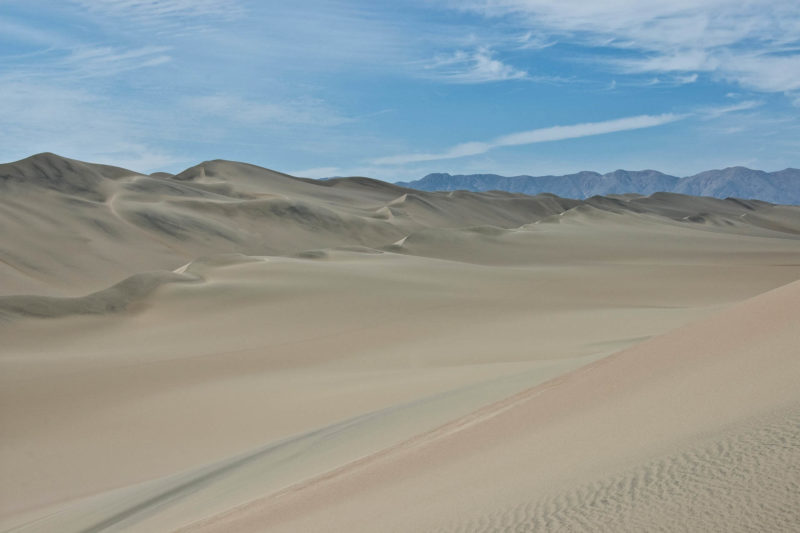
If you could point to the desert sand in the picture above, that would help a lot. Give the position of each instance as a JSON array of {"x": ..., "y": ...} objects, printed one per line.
[{"x": 235, "y": 349}]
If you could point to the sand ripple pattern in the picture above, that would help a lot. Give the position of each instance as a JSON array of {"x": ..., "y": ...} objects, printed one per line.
[{"x": 747, "y": 481}]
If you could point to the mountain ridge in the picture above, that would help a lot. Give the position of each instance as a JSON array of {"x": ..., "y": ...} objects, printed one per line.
[{"x": 782, "y": 186}]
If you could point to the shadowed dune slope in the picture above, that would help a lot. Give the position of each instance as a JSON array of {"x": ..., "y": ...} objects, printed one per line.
[{"x": 116, "y": 298}]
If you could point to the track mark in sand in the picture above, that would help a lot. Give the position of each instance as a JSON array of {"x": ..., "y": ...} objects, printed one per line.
[
  {"x": 409, "y": 445},
  {"x": 748, "y": 480},
  {"x": 150, "y": 498}
]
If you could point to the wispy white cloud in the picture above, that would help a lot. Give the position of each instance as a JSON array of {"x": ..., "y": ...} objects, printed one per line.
[
  {"x": 539, "y": 135},
  {"x": 679, "y": 61},
  {"x": 165, "y": 15},
  {"x": 764, "y": 72},
  {"x": 753, "y": 43},
  {"x": 533, "y": 41},
  {"x": 299, "y": 111},
  {"x": 714, "y": 112},
  {"x": 161, "y": 8},
  {"x": 74, "y": 65},
  {"x": 477, "y": 66},
  {"x": 96, "y": 61},
  {"x": 663, "y": 80},
  {"x": 26, "y": 33}
]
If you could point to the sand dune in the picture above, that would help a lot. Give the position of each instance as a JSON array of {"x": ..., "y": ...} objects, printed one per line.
[
  {"x": 73, "y": 227},
  {"x": 696, "y": 429},
  {"x": 174, "y": 347}
]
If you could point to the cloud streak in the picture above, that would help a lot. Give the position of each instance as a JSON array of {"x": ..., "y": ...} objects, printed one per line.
[
  {"x": 539, "y": 135},
  {"x": 714, "y": 112},
  {"x": 473, "y": 67}
]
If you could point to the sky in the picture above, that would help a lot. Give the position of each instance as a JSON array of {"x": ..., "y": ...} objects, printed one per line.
[{"x": 396, "y": 90}]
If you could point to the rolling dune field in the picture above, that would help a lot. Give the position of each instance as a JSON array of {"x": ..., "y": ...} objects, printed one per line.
[{"x": 235, "y": 349}]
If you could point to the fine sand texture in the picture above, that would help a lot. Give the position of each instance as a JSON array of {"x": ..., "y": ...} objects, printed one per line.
[
  {"x": 697, "y": 429},
  {"x": 235, "y": 349}
]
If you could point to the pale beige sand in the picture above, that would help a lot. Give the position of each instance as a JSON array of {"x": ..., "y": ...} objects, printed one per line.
[
  {"x": 698, "y": 429},
  {"x": 328, "y": 322}
]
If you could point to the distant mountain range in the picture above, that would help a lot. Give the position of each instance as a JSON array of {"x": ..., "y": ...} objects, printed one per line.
[{"x": 781, "y": 187}]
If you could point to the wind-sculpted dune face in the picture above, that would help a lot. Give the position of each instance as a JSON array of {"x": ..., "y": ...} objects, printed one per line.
[
  {"x": 741, "y": 482},
  {"x": 235, "y": 349}
]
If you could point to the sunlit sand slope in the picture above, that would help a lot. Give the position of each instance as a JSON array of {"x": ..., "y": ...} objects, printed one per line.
[{"x": 698, "y": 429}]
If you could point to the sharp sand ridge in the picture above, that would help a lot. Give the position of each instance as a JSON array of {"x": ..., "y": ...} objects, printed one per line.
[{"x": 235, "y": 349}]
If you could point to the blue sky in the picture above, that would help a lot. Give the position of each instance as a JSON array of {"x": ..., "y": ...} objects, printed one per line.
[{"x": 395, "y": 90}]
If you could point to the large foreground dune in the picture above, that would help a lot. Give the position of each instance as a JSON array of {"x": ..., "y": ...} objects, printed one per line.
[
  {"x": 697, "y": 429},
  {"x": 234, "y": 349}
]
